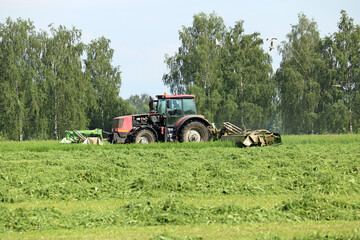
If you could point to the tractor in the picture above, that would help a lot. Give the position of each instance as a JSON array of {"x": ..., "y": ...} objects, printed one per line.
[{"x": 174, "y": 119}]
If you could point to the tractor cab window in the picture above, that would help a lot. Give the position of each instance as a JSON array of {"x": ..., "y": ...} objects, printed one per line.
[
  {"x": 161, "y": 106},
  {"x": 189, "y": 106},
  {"x": 174, "y": 112}
]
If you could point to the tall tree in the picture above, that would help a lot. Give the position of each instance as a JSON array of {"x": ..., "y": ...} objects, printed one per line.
[
  {"x": 45, "y": 88},
  {"x": 106, "y": 82},
  {"x": 345, "y": 68},
  {"x": 18, "y": 44},
  {"x": 248, "y": 88},
  {"x": 196, "y": 68},
  {"x": 298, "y": 76},
  {"x": 65, "y": 83},
  {"x": 227, "y": 70}
]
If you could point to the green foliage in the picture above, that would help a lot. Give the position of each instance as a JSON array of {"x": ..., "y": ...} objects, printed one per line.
[
  {"x": 341, "y": 54},
  {"x": 106, "y": 82},
  {"x": 318, "y": 80},
  {"x": 247, "y": 81},
  {"x": 65, "y": 85},
  {"x": 195, "y": 69},
  {"x": 45, "y": 86},
  {"x": 139, "y": 103},
  {"x": 18, "y": 52},
  {"x": 2, "y": 137},
  {"x": 298, "y": 76},
  {"x": 226, "y": 69},
  {"x": 315, "y": 90}
]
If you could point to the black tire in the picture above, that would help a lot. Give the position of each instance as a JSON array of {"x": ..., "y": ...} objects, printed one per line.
[
  {"x": 194, "y": 132},
  {"x": 144, "y": 136}
]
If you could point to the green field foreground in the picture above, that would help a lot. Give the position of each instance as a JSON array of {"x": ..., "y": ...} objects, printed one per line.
[{"x": 306, "y": 188}]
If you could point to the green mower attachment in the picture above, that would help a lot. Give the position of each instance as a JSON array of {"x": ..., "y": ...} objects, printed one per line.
[{"x": 79, "y": 136}]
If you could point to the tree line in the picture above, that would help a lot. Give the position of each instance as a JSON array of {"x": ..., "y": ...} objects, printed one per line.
[
  {"x": 314, "y": 91},
  {"x": 51, "y": 81}
]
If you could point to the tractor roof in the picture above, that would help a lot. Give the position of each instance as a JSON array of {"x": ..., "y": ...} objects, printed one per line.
[{"x": 175, "y": 96}]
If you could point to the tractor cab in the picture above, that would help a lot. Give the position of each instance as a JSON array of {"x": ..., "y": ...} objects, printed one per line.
[{"x": 174, "y": 107}]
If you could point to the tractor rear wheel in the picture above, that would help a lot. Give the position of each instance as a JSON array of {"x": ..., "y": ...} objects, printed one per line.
[
  {"x": 144, "y": 136},
  {"x": 194, "y": 132}
]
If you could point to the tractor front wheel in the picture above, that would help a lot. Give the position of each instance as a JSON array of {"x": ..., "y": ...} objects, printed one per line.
[
  {"x": 144, "y": 137},
  {"x": 194, "y": 132}
]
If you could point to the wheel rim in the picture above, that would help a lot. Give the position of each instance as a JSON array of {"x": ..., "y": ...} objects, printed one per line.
[
  {"x": 193, "y": 136},
  {"x": 143, "y": 140}
]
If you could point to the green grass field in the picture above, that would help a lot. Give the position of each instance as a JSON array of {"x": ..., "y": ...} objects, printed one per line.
[{"x": 307, "y": 188}]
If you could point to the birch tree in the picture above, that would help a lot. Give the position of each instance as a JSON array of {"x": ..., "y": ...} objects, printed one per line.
[{"x": 298, "y": 77}]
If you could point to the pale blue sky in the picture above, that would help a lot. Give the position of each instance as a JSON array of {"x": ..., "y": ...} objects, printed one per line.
[{"x": 142, "y": 32}]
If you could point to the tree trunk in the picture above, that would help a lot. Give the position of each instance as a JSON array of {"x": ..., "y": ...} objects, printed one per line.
[
  {"x": 55, "y": 116},
  {"x": 55, "y": 128},
  {"x": 312, "y": 128},
  {"x": 102, "y": 119},
  {"x": 20, "y": 131},
  {"x": 19, "y": 112},
  {"x": 350, "y": 123}
]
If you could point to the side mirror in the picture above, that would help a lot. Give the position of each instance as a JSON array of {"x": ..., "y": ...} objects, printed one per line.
[{"x": 167, "y": 103}]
